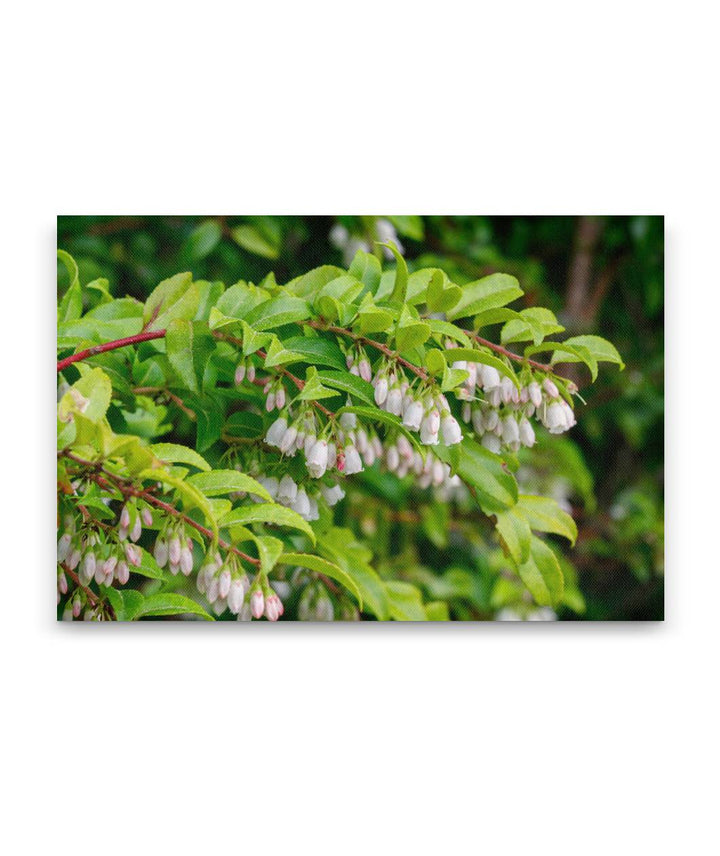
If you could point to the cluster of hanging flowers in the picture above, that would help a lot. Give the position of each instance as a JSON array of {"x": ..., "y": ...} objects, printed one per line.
[{"x": 500, "y": 409}]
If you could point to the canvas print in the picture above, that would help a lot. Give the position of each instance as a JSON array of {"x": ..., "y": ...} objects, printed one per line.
[{"x": 360, "y": 418}]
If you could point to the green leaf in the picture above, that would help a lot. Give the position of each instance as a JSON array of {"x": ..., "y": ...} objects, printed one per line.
[
  {"x": 219, "y": 482},
  {"x": 600, "y": 349},
  {"x": 254, "y": 241},
  {"x": 535, "y": 323},
  {"x": 169, "y": 603},
  {"x": 310, "y": 283},
  {"x": 340, "y": 546},
  {"x": 176, "y": 454},
  {"x": 442, "y": 295},
  {"x": 452, "y": 378},
  {"x": 494, "y": 488},
  {"x": 409, "y": 225},
  {"x": 435, "y": 361},
  {"x": 70, "y": 308},
  {"x": 410, "y": 332},
  {"x": 203, "y": 240},
  {"x": 542, "y": 574},
  {"x": 277, "y": 354},
  {"x": 490, "y": 292},
  {"x": 314, "y": 389},
  {"x": 346, "y": 382},
  {"x": 401, "y": 275},
  {"x": 126, "y": 603},
  {"x": 189, "y": 345},
  {"x": 374, "y": 319},
  {"x": 315, "y": 351},
  {"x": 236, "y": 301},
  {"x": 515, "y": 533},
  {"x": 405, "y": 601},
  {"x": 366, "y": 267},
  {"x": 323, "y": 566},
  {"x": 570, "y": 354},
  {"x": 269, "y": 550},
  {"x": 176, "y": 297},
  {"x": 545, "y": 515},
  {"x": 244, "y": 424},
  {"x": 278, "y": 311},
  {"x": 267, "y": 513},
  {"x": 445, "y": 330},
  {"x": 494, "y": 316}
]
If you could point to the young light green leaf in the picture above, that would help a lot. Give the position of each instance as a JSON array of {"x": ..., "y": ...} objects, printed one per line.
[
  {"x": 267, "y": 513},
  {"x": 176, "y": 454},
  {"x": 401, "y": 275},
  {"x": 169, "y": 603},
  {"x": 254, "y": 241},
  {"x": 277, "y": 312},
  {"x": 515, "y": 533},
  {"x": 269, "y": 550},
  {"x": 366, "y": 267},
  {"x": 315, "y": 351},
  {"x": 542, "y": 574},
  {"x": 324, "y": 567},
  {"x": 173, "y": 298},
  {"x": 599, "y": 348},
  {"x": 490, "y": 292},
  {"x": 405, "y": 601},
  {"x": 545, "y": 515},
  {"x": 346, "y": 382},
  {"x": 220, "y": 482},
  {"x": 70, "y": 308},
  {"x": 494, "y": 488}
]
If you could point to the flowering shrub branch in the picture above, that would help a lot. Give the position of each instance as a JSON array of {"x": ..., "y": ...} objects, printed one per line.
[{"x": 377, "y": 385}]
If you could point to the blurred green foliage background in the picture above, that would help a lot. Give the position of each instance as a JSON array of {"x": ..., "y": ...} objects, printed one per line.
[{"x": 598, "y": 274}]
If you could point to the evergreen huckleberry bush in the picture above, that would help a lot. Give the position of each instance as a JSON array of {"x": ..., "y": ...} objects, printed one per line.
[{"x": 305, "y": 399}]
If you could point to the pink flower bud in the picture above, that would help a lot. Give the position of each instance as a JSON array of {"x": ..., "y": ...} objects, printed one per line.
[
  {"x": 535, "y": 393},
  {"x": 288, "y": 440},
  {"x": 62, "y": 583},
  {"x": 550, "y": 388},
  {"x": 235, "y": 597},
  {"x": 270, "y": 403},
  {"x": 77, "y": 606},
  {"x": 273, "y": 607},
  {"x": 240, "y": 374},
  {"x": 136, "y": 530},
  {"x": 123, "y": 572},
  {"x": 251, "y": 373},
  {"x": 63, "y": 547},
  {"x": 365, "y": 370},
  {"x": 133, "y": 554},
  {"x": 381, "y": 391},
  {"x": 174, "y": 548},
  {"x": 186, "y": 561},
  {"x": 224, "y": 583},
  {"x": 280, "y": 398},
  {"x": 147, "y": 517},
  {"x": 161, "y": 552},
  {"x": 257, "y": 603},
  {"x": 125, "y": 517}
]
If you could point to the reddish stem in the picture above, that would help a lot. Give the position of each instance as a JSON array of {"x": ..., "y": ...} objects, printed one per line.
[{"x": 109, "y": 346}]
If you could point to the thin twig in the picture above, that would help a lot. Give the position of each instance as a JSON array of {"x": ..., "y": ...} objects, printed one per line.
[{"x": 126, "y": 489}]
